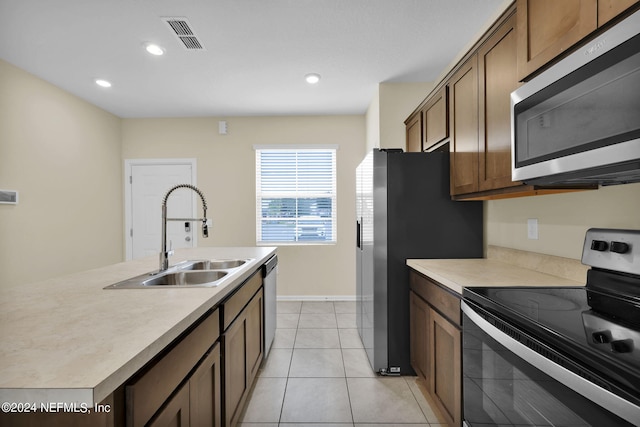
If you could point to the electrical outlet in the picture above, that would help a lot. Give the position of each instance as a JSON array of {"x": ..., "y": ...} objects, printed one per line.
[{"x": 532, "y": 228}]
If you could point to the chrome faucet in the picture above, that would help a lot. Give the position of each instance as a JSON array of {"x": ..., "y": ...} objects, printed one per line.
[{"x": 164, "y": 253}]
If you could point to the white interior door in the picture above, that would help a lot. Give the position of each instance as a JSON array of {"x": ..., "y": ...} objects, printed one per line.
[{"x": 149, "y": 184}]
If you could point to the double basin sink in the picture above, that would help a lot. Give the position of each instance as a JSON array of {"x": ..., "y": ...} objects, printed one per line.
[{"x": 186, "y": 274}]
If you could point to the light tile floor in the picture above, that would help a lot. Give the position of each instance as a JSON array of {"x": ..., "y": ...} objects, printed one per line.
[{"x": 317, "y": 373}]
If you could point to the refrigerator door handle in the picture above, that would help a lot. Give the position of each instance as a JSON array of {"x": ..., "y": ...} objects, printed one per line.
[{"x": 358, "y": 235}]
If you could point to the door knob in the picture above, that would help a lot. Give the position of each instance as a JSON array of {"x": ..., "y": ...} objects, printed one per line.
[{"x": 187, "y": 239}]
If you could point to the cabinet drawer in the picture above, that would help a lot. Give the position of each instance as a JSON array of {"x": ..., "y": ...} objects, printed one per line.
[
  {"x": 444, "y": 301},
  {"x": 234, "y": 305},
  {"x": 151, "y": 389}
]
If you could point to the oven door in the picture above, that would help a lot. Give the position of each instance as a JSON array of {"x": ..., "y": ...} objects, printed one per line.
[{"x": 505, "y": 383}]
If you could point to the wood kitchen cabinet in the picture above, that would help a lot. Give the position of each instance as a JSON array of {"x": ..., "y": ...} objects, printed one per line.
[
  {"x": 419, "y": 336},
  {"x": 480, "y": 119},
  {"x": 609, "y": 9},
  {"x": 463, "y": 128},
  {"x": 546, "y": 28},
  {"x": 436, "y": 119},
  {"x": 243, "y": 343},
  {"x": 549, "y": 28},
  {"x": 414, "y": 133},
  {"x": 196, "y": 402},
  {"x": 165, "y": 392},
  {"x": 436, "y": 344},
  {"x": 429, "y": 126},
  {"x": 497, "y": 78},
  {"x": 205, "y": 391}
]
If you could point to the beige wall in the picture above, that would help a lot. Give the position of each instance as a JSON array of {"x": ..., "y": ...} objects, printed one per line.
[
  {"x": 226, "y": 174},
  {"x": 389, "y": 108},
  {"x": 63, "y": 156},
  {"x": 562, "y": 218},
  {"x": 397, "y": 102}
]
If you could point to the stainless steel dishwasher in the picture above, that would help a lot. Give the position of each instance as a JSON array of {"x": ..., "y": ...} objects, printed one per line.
[{"x": 270, "y": 273}]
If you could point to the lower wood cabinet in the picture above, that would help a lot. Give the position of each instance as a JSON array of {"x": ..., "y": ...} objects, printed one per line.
[
  {"x": 436, "y": 344},
  {"x": 175, "y": 412},
  {"x": 419, "y": 337},
  {"x": 205, "y": 391},
  {"x": 156, "y": 393},
  {"x": 243, "y": 344}
]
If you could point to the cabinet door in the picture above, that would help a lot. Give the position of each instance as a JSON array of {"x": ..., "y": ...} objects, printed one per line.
[
  {"x": 243, "y": 346},
  {"x": 497, "y": 76},
  {"x": 235, "y": 374},
  {"x": 609, "y": 9},
  {"x": 175, "y": 413},
  {"x": 255, "y": 335},
  {"x": 546, "y": 28},
  {"x": 436, "y": 124},
  {"x": 463, "y": 123},
  {"x": 414, "y": 135},
  {"x": 446, "y": 382},
  {"x": 205, "y": 392},
  {"x": 419, "y": 336}
]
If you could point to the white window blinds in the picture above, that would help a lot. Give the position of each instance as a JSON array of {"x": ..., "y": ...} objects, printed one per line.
[{"x": 296, "y": 195}]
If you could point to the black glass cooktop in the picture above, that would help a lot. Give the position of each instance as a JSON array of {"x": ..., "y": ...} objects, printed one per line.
[{"x": 578, "y": 322}]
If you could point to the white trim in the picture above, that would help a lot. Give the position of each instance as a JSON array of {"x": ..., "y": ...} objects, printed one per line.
[
  {"x": 296, "y": 146},
  {"x": 128, "y": 164},
  {"x": 316, "y": 298}
]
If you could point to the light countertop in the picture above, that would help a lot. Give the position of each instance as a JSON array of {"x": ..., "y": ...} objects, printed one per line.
[
  {"x": 69, "y": 340},
  {"x": 457, "y": 274}
]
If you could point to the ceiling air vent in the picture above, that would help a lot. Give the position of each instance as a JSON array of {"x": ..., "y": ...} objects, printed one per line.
[{"x": 182, "y": 30}]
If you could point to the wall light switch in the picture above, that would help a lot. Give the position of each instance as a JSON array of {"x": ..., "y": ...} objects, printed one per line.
[
  {"x": 532, "y": 228},
  {"x": 222, "y": 127}
]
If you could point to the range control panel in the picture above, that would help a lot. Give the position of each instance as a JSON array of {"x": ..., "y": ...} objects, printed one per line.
[{"x": 611, "y": 249}]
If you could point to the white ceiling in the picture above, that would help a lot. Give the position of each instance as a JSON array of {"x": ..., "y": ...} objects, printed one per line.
[{"x": 256, "y": 54}]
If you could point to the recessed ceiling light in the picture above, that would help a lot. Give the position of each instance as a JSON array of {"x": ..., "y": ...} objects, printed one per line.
[
  {"x": 154, "y": 49},
  {"x": 103, "y": 83},
  {"x": 312, "y": 78}
]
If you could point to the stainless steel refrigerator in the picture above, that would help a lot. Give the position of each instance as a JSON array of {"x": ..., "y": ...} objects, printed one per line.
[{"x": 403, "y": 211}]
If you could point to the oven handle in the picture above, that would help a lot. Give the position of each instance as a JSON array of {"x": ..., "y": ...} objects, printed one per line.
[{"x": 610, "y": 401}]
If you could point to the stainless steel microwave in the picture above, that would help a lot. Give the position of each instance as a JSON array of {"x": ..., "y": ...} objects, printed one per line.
[{"x": 578, "y": 122}]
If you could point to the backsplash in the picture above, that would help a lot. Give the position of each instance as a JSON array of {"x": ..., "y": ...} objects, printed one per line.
[{"x": 566, "y": 268}]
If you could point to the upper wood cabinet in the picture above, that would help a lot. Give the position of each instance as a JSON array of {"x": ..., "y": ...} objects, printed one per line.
[
  {"x": 435, "y": 117},
  {"x": 609, "y": 9},
  {"x": 463, "y": 128},
  {"x": 546, "y": 28},
  {"x": 414, "y": 133},
  {"x": 497, "y": 78}
]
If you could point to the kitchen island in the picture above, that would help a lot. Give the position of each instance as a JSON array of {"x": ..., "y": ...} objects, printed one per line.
[{"x": 69, "y": 340}]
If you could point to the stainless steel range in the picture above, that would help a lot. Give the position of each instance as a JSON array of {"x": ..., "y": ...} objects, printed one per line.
[{"x": 566, "y": 356}]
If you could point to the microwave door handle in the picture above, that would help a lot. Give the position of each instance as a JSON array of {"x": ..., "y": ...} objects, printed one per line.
[{"x": 591, "y": 391}]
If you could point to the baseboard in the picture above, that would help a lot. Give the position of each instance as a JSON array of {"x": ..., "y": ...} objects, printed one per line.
[{"x": 316, "y": 298}]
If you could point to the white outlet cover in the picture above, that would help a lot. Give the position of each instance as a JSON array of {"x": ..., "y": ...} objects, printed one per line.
[{"x": 532, "y": 228}]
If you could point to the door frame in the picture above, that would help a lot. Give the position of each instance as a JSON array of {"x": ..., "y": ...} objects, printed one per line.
[{"x": 128, "y": 217}]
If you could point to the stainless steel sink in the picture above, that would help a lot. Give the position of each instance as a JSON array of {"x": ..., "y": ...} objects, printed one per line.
[
  {"x": 186, "y": 278},
  {"x": 186, "y": 274},
  {"x": 211, "y": 264}
]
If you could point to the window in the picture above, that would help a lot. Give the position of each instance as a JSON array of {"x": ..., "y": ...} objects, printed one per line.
[{"x": 296, "y": 195}]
